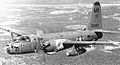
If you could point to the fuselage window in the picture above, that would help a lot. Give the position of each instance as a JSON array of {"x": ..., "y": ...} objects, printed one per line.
[
  {"x": 34, "y": 39},
  {"x": 40, "y": 38},
  {"x": 88, "y": 36},
  {"x": 22, "y": 45}
]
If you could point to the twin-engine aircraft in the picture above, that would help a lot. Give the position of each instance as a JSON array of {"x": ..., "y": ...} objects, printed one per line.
[{"x": 54, "y": 42}]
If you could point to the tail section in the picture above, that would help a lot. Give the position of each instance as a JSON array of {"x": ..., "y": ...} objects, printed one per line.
[{"x": 95, "y": 20}]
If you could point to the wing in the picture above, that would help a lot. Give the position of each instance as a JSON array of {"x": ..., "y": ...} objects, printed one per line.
[
  {"x": 89, "y": 43},
  {"x": 11, "y": 32},
  {"x": 107, "y": 31}
]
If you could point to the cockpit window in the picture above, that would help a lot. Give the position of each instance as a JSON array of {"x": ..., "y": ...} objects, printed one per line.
[
  {"x": 27, "y": 38},
  {"x": 23, "y": 38}
]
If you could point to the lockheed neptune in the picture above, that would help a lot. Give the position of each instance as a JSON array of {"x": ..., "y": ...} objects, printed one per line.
[{"x": 54, "y": 42}]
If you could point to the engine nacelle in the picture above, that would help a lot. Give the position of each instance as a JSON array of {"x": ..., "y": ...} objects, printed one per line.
[
  {"x": 71, "y": 53},
  {"x": 54, "y": 45},
  {"x": 81, "y": 51},
  {"x": 74, "y": 52}
]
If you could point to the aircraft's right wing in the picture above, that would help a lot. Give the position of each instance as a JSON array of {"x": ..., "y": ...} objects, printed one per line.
[{"x": 68, "y": 42}]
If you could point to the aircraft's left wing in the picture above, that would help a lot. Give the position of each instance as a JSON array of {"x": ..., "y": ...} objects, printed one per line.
[{"x": 10, "y": 31}]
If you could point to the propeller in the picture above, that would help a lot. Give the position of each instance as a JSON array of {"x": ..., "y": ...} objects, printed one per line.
[
  {"x": 44, "y": 57},
  {"x": 43, "y": 52}
]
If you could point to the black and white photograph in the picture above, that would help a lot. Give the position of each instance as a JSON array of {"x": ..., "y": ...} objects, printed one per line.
[{"x": 59, "y": 32}]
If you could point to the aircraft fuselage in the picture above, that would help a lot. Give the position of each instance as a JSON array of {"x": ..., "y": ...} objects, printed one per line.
[
  {"x": 86, "y": 35},
  {"x": 36, "y": 42}
]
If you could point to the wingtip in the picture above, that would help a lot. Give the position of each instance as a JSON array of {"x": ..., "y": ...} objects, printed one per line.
[{"x": 97, "y": 3}]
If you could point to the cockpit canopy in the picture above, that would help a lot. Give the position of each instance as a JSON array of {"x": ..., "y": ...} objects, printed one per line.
[{"x": 22, "y": 38}]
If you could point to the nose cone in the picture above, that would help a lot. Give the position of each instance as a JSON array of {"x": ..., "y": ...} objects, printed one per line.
[
  {"x": 8, "y": 50},
  {"x": 11, "y": 50},
  {"x": 97, "y": 3}
]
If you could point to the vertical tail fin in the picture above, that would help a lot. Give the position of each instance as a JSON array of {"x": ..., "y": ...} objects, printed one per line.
[{"x": 95, "y": 20}]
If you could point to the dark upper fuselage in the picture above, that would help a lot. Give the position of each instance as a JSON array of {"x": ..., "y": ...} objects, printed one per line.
[{"x": 86, "y": 35}]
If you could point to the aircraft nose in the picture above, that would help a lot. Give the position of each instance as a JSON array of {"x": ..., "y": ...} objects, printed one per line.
[{"x": 8, "y": 50}]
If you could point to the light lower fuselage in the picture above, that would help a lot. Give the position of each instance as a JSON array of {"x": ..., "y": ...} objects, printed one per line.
[{"x": 74, "y": 36}]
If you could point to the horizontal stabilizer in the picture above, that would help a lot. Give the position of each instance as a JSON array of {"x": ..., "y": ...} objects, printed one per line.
[{"x": 107, "y": 31}]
